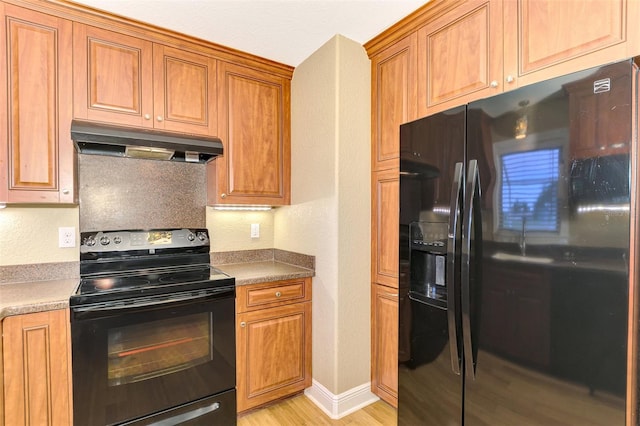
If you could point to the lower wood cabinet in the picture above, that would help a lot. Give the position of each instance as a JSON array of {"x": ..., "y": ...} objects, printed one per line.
[
  {"x": 384, "y": 343},
  {"x": 273, "y": 341},
  {"x": 36, "y": 374}
]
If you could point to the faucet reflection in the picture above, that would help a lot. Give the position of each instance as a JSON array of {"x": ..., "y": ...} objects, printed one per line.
[{"x": 523, "y": 237}]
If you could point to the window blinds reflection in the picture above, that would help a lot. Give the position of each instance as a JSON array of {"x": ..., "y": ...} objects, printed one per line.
[{"x": 529, "y": 190}]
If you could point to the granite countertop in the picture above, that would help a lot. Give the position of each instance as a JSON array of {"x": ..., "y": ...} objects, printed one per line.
[
  {"x": 28, "y": 297},
  {"x": 28, "y": 289},
  {"x": 263, "y": 271}
]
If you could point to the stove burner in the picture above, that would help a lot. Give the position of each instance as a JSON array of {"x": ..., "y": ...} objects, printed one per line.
[
  {"x": 130, "y": 264},
  {"x": 185, "y": 277},
  {"x": 105, "y": 284}
]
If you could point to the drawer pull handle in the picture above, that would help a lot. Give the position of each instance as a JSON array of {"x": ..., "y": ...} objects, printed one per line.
[
  {"x": 243, "y": 324},
  {"x": 278, "y": 294}
]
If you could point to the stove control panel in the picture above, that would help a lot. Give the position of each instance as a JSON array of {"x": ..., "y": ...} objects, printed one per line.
[{"x": 106, "y": 241}]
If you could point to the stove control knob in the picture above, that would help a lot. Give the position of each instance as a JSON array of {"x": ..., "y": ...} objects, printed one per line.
[
  {"x": 191, "y": 237},
  {"x": 90, "y": 242},
  {"x": 117, "y": 240},
  {"x": 104, "y": 240},
  {"x": 202, "y": 236}
]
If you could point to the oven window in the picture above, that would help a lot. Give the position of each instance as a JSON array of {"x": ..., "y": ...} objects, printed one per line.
[{"x": 152, "y": 349}]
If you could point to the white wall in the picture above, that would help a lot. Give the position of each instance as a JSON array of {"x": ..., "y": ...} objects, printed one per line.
[
  {"x": 329, "y": 216},
  {"x": 230, "y": 230},
  {"x": 30, "y": 235}
]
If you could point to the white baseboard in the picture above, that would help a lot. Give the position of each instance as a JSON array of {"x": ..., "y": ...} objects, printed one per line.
[{"x": 338, "y": 406}]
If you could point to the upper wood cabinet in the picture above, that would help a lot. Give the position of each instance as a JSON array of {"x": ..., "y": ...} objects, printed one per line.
[
  {"x": 484, "y": 47},
  {"x": 393, "y": 99},
  {"x": 133, "y": 82},
  {"x": 35, "y": 354},
  {"x": 549, "y": 38},
  {"x": 460, "y": 56},
  {"x": 36, "y": 151},
  {"x": 254, "y": 123}
]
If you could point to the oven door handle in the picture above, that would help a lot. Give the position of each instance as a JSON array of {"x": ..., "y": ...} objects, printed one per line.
[
  {"x": 151, "y": 301},
  {"x": 185, "y": 417}
]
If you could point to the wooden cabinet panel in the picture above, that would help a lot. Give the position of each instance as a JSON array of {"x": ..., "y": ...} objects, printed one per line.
[
  {"x": 548, "y": 38},
  {"x": 36, "y": 369},
  {"x": 133, "y": 82},
  {"x": 254, "y": 123},
  {"x": 270, "y": 294},
  {"x": 113, "y": 77},
  {"x": 36, "y": 151},
  {"x": 384, "y": 343},
  {"x": 394, "y": 99},
  {"x": 185, "y": 91},
  {"x": 273, "y": 353},
  {"x": 460, "y": 56},
  {"x": 385, "y": 210}
]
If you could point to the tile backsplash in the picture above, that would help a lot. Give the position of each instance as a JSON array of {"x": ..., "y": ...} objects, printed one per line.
[{"x": 126, "y": 193}]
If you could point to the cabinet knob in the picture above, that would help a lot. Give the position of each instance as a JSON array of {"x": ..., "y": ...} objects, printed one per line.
[
  {"x": 223, "y": 195},
  {"x": 493, "y": 84},
  {"x": 147, "y": 116},
  {"x": 510, "y": 79},
  {"x": 65, "y": 191},
  {"x": 159, "y": 118},
  {"x": 278, "y": 294},
  {"x": 243, "y": 324}
]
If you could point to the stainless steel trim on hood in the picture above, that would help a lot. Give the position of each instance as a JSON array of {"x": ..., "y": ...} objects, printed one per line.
[{"x": 106, "y": 139}]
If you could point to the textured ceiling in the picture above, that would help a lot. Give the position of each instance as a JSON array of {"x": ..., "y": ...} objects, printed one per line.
[{"x": 286, "y": 31}]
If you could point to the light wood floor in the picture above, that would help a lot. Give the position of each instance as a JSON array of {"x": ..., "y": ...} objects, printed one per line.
[{"x": 300, "y": 411}]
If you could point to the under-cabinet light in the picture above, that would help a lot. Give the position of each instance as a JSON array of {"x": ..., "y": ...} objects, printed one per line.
[
  {"x": 241, "y": 207},
  {"x": 3, "y": 205}
]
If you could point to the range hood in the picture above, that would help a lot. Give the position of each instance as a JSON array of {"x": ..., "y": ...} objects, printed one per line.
[{"x": 104, "y": 139}]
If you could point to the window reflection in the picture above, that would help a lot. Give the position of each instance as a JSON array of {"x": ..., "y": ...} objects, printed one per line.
[{"x": 529, "y": 190}]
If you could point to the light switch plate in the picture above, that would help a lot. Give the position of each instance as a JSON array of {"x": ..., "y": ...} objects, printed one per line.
[
  {"x": 255, "y": 230},
  {"x": 66, "y": 236}
]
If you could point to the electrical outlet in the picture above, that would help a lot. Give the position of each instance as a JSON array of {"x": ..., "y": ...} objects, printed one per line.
[
  {"x": 255, "y": 230},
  {"x": 66, "y": 236}
]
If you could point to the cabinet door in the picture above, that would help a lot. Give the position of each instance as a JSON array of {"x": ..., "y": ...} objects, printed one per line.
[
  {"x": 384, "y": 342},
  {"x": 113, "y": 77},
  {"x": 273, "y": 353},
  {"x": 460, "y": 56},
  {"x": 394, "y": 99},
  {"x": 36, "y": 151},
  {"x": 36, "y": 369},
  {"x": 385, "y": 225},
  {"x": 184, "y": 91},
  {"x": 254, "y": 123},
  {"x": 549, "y": 38}
]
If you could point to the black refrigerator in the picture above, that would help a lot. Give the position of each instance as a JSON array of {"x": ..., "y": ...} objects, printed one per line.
[{"x": 514, "y": 256}]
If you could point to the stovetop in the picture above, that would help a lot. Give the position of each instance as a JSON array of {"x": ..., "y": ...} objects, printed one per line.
[{"x": 118, "y": 265}]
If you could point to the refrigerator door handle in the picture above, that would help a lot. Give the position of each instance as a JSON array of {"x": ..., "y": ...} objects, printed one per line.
[
  {"x": 472, "y": 190},
  {"x": 452, "y": 249}
]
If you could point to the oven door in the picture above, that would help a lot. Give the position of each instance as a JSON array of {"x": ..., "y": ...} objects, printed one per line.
[{"x": 132, "y": 359}]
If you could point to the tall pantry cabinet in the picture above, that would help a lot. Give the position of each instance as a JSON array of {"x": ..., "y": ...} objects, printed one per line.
[{"x": 446, "y": 54}]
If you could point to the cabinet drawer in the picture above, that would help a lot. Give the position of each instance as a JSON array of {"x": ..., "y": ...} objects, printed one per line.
[{"x": 264, "y": 295}]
